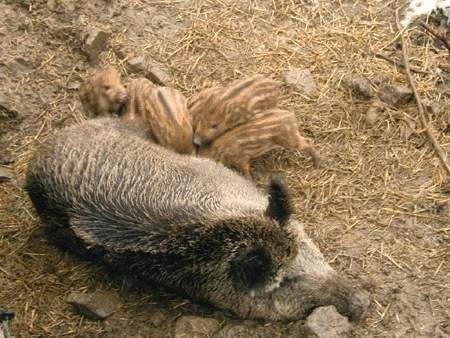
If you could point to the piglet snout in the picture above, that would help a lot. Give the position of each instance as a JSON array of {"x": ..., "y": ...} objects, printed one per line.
[{"x": 121, "y": 95}]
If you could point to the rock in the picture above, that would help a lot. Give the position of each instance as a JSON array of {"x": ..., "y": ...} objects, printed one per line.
[
  {"x": 94, "y": 305},
  {"x": 137, "y": 64},
  {"x": 6, "y": 174},
  {"x": 359, "y": 85},
  {"x": 373, "y": 112},
  {"x": 378, "y": 79},
  {"x": 158, "y": 74},
  {"x": 23, "y": 65},
  {"x": 151, "y": 70},
  {"x": 302, "y": 80},
  {"x": 95, "y": 42},
  {"x": 326, "y": 322},
  {"x": 195, "y": 327},
  {"x": 395, "y": 95}
]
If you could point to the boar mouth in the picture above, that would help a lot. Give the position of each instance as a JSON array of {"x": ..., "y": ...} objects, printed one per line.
[{"x": 297, "y": 297}]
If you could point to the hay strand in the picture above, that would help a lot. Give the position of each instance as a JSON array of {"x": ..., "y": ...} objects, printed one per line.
[
  {"x": 427, "y": 129},
  {"x": 438, "y": 35}
]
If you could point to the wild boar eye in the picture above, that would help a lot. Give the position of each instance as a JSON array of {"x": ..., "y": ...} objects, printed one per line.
[
  {"x": 215, "y": 125},
  {"x": 106, "y": 87}
]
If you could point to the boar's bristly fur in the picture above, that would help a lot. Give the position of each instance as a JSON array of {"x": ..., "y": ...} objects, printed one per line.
[{"x": 104, "y": 191}]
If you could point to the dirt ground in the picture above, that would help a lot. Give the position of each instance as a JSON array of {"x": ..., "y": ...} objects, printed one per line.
[{"x": 378, "y": 209}]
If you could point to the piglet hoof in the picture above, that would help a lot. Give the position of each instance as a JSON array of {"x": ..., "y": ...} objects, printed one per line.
[{"x": 315, "y": 157}]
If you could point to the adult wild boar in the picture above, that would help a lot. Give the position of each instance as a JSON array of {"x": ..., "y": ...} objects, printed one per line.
[{"x": 186, "y": 222}]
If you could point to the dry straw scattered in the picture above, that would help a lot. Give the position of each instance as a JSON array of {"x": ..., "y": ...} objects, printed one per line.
[{"x": 379, "y": 207}]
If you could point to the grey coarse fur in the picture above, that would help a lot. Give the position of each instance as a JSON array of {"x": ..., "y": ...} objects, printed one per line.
[{"x": 105, "y": 191}]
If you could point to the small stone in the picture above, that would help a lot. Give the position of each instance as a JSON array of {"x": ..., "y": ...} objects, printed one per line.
[
  {"x": 6, "y": 174},
  {"x": 151, "y": 70},
  {"x": 373, "y": 112},
  {"x": 94, "y": 43},
  {"x": 94, "y": 305},
  {"x": 302, "y": 80},
  {"x": 379, "y": 79},
  {"x": 137, "y": 64},
  {"x": 195, "y": 327},
  {"x": 395, "y": 95},
  {"x": 359, "y": 85},
  {"x": 158, "y": 74},
  {"x": 326, "y": 322}
]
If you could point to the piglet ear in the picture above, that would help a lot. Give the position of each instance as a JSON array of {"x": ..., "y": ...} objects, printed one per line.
[
  {"x": 280, "y": 206},
  {"x": 251, "y": 269}
]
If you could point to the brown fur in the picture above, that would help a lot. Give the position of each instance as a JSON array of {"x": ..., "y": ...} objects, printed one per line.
[
  {"x": 139, "y": 91},
  {"x": 217, "y": 110},
  {"x": 170, "y": 122},
  {"x": 102, "y": 92},
  {"x": 264, "y": 132},
  {"x": 163, "y": 112}
]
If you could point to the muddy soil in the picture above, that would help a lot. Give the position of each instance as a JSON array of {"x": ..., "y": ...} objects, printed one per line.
[{"x": 378, "y": 208}]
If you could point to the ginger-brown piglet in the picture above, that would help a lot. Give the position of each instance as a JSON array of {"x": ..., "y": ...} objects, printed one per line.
[
  {"x": 264, "y": 132},
  {"x": 163, "y": 112},
  {"x": 102, "y": 92},
  {"x": 217, "y": 110}
]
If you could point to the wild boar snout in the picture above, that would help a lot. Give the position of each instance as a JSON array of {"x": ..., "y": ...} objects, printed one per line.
[
  {"x": 348, "y": 300},
  {"x": 297, "y": 297}
]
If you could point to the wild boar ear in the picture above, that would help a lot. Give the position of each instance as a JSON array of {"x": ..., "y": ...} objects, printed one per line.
[
  {"x": 280, "y": 206},
  {"x": 251, "y": 269}
]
